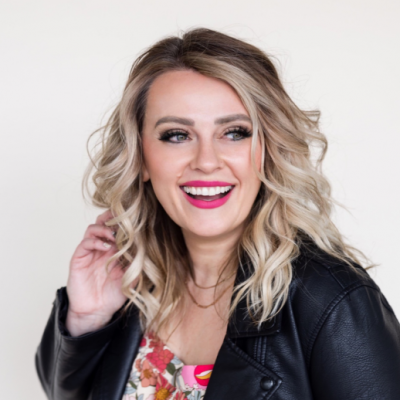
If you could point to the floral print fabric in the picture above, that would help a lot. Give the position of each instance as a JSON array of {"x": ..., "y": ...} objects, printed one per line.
[{"x": 157, "y": 374}]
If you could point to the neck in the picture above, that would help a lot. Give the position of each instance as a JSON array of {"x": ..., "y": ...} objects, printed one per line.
[{"x": 209, "y": 254}]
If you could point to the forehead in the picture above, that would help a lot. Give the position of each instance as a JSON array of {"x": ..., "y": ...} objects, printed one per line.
[{"x": 191, "y": 94}]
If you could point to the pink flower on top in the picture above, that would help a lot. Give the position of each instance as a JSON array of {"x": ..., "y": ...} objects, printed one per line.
[
  {"x": 148, "y": 377},
  {"x": 164, "y": 389},
  {"x": 138, "y": 365},
  {"x": 159, "y": 357}
]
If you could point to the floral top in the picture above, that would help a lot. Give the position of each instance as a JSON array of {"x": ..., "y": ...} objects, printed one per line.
[{"x": 157, "y": 374}]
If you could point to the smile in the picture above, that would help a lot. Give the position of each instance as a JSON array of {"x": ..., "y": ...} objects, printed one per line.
[
  {"x": 206, "y": 191},
  {"x": 207, "y": 197}
]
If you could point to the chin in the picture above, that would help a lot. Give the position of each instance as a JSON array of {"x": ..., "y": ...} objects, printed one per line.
[{"x": 209, "y": 229}]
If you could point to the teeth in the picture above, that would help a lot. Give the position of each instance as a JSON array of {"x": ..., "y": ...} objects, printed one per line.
[{"x": 206, "y": 191}]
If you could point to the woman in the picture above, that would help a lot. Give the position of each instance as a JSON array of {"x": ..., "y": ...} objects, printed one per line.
[{"x": 225, "y": 278}]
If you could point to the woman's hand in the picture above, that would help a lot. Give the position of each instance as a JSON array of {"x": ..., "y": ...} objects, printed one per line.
[{"x": 94, "y": 295}]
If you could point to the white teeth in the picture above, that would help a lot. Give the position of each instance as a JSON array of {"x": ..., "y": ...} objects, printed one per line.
[{"x": 206, "y": 191}]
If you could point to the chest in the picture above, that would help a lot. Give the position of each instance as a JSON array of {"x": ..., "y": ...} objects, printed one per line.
[
  {"x": 248, "y": 365},
  {"x": 196, "y": 335}
]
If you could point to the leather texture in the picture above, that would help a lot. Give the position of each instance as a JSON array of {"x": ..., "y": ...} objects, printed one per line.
[{"x": 336, "y": 338}]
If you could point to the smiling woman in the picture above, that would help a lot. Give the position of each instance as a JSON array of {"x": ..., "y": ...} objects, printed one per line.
[
  {"x": 188, "y": 160},
  {"x": 216, "y": 271}
]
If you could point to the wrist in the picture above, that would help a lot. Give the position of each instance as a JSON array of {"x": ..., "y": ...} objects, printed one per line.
[{"x": 79, "y": 324}]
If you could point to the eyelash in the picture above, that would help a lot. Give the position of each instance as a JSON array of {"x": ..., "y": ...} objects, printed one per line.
[{"x": 165, "y": 136}]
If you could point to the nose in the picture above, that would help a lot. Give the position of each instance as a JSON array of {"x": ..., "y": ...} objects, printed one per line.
[{"x": 206, "y": 157}]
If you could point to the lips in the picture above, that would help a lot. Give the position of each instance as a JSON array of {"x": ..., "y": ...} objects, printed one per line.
[
  {"x": 210, "y": 197},
  {"x": 202, "y": 374},
  {"x": 210, "y": 201}
]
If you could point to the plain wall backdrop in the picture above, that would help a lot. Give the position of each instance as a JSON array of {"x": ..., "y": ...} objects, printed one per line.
[{"x": 63, "y": 67}]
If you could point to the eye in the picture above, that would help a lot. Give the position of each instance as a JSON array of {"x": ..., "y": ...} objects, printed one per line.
[
  {"x": 178, "y": 135},
  {"x": 238, "y": 133}
]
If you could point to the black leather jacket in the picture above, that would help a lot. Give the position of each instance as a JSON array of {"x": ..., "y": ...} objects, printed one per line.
[{"x": 336, "y": 338}]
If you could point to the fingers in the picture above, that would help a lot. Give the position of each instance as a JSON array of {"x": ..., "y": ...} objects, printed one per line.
[
  {"x": 88, "y": 245},
  {"x": 96, "y": 244},
  {"x": 99, "y": 231},
  {"x": 104, "y": 217},
  {"x": 98, "y": 236}
]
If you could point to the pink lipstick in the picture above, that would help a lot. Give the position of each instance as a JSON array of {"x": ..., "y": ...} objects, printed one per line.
[{"x": 207, "y": 204}]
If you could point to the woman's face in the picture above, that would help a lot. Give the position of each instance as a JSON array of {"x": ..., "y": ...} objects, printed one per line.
[{"x": 197, "y": 139}]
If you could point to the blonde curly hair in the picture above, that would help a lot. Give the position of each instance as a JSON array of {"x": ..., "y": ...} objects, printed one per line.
[{"x": 294, "y": 202}]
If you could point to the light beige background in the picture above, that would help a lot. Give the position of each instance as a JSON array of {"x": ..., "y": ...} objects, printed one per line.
[{"x": 63, "y": 66}]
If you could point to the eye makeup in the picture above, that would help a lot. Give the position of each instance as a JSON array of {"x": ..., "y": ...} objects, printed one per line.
[{"x": 167, "y": 135}]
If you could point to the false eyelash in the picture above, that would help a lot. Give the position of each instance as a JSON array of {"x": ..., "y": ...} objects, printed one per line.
[
  {"x": 239, "y": 129},
  {"x": 168, "y": 134}
]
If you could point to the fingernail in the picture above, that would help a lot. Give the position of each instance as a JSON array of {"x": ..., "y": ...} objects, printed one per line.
[{"x": 108, "y": 245}]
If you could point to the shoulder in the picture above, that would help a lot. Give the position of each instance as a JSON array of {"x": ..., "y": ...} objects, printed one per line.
[
  {"x": 325, "y": 289},
  {"x": 349, "y": 332},
  {"x": 320, "y": 279}
]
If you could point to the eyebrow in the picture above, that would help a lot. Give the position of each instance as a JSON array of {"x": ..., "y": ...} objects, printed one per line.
[{"x": 190, "y": 122}]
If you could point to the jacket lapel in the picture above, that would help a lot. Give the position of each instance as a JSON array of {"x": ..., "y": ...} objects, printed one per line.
[{"x": 236, "y": 375}]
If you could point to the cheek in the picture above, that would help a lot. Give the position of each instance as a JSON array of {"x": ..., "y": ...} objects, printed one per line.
[
  {"x": 165, "y": 164},
  {"x": 154, "y": 157}
]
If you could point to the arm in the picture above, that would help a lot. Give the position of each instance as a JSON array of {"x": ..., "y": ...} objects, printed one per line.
[
  {"x": 66, "y": 365},
  {"x": 356, "y": 353}
]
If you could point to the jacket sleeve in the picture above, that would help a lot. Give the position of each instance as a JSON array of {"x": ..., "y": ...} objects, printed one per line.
[
  {"x": 66, "y": 365},
  {"x": 356, "y": 353}
]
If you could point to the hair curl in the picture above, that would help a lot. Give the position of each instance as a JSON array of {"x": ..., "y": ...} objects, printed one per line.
[{"x": 294, "y": 202}]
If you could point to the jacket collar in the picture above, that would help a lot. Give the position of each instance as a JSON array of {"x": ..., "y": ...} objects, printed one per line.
[{"x": 241, "y": 324}]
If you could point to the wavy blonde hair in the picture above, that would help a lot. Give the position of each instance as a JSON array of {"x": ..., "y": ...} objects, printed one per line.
[{"x": 294, "y": 202}]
